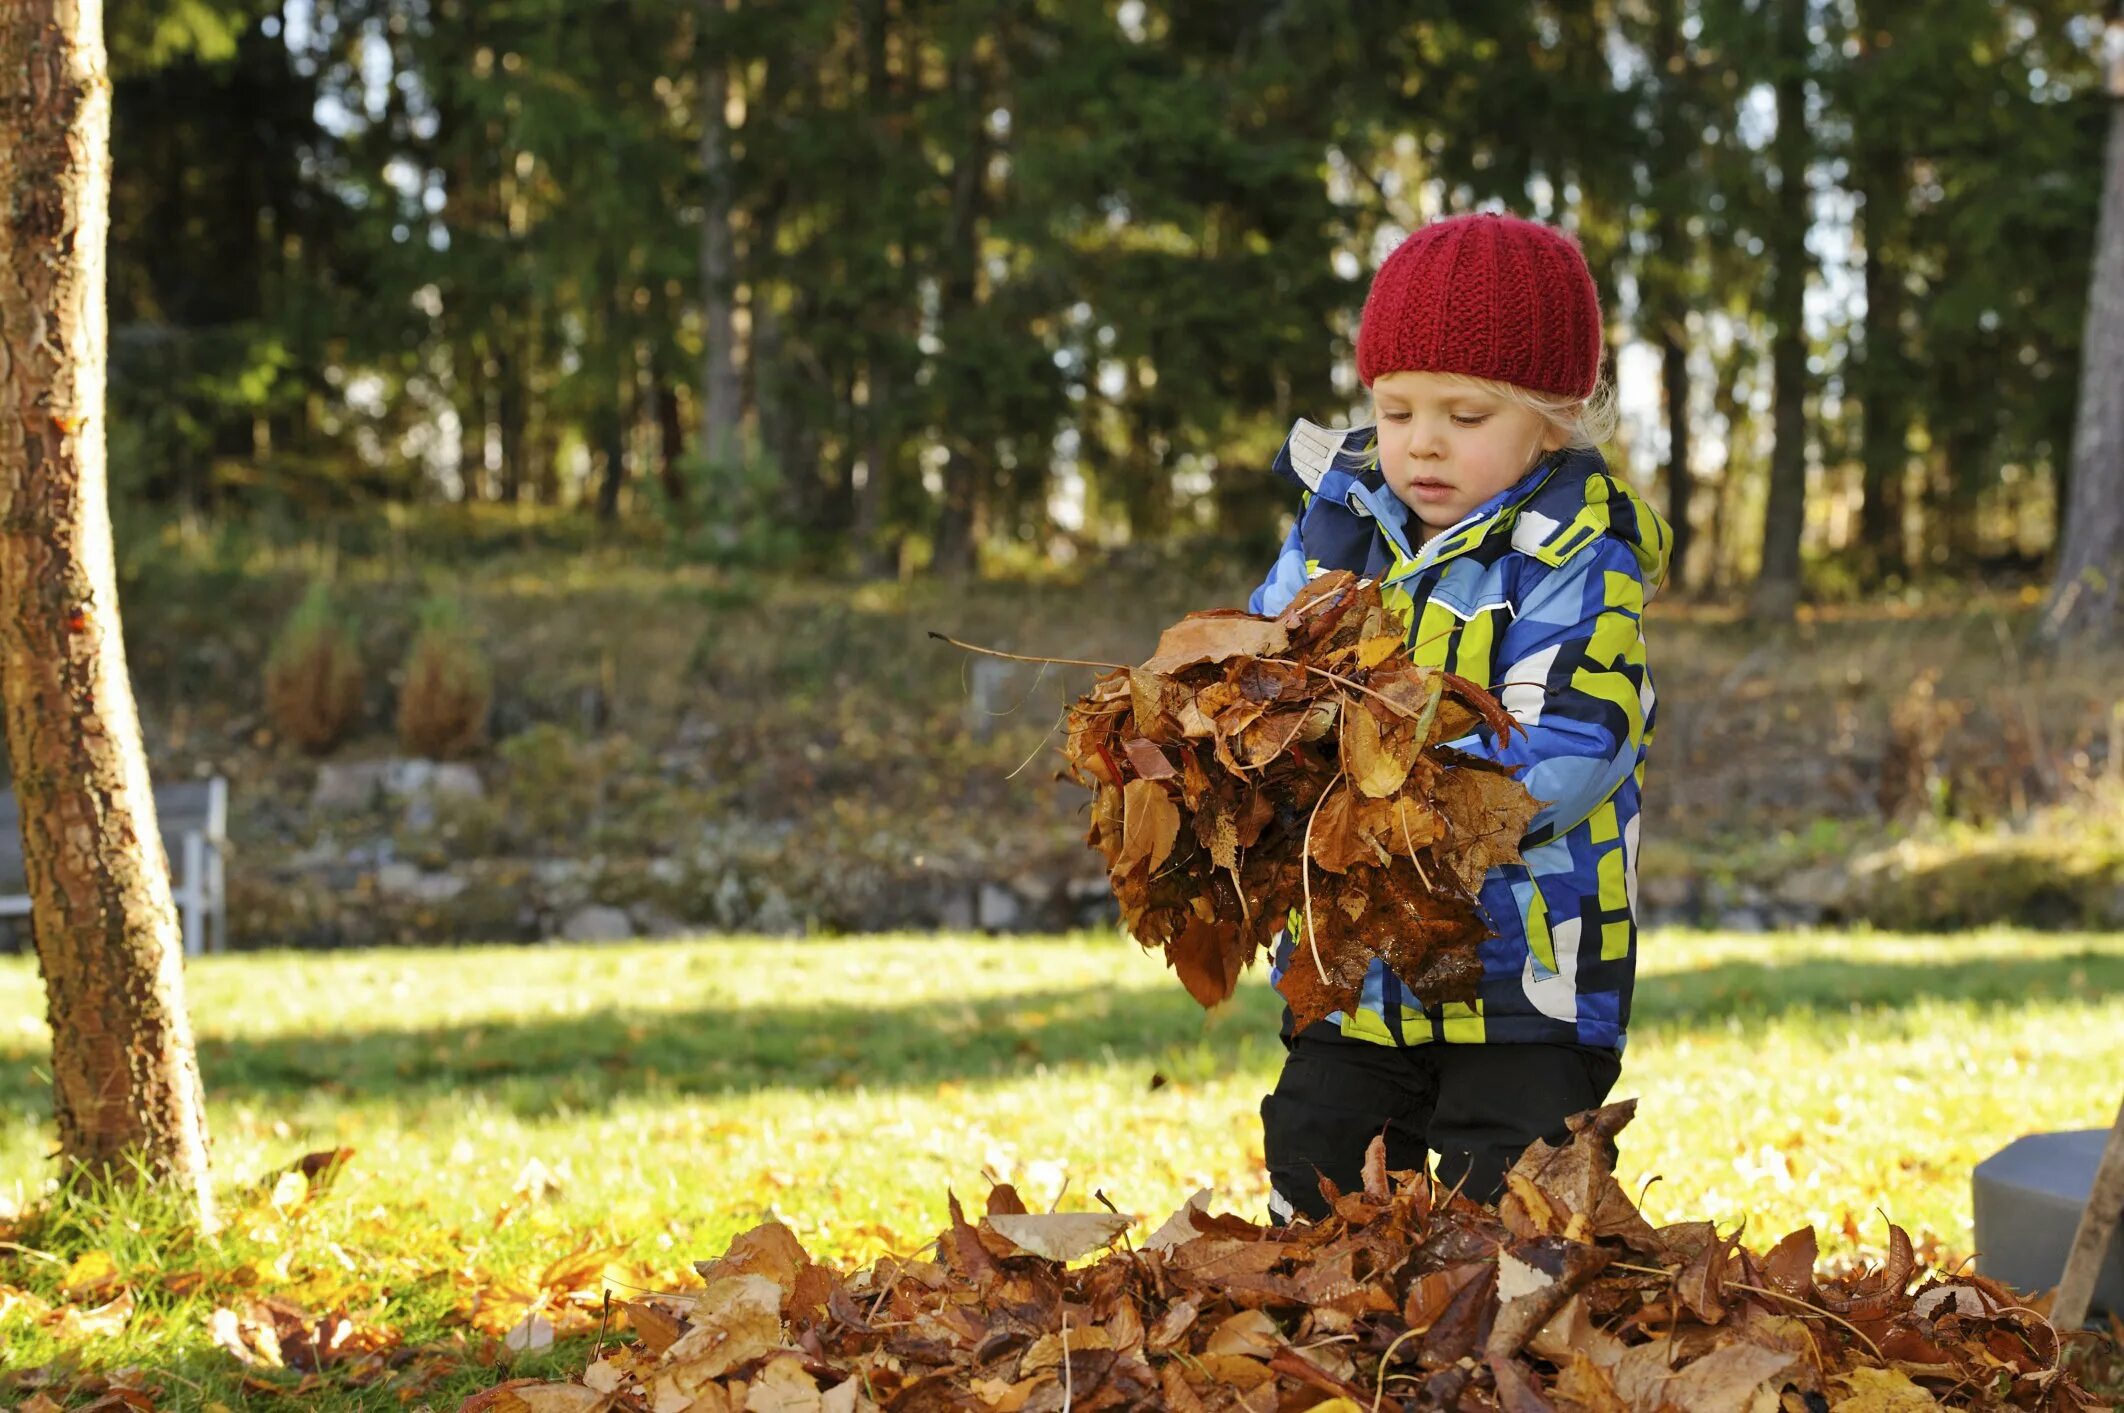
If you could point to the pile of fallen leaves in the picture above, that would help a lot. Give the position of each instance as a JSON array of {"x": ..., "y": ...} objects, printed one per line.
[
  {"x": 1260, "y": 769},
  {"x": 1406, "y": 1297}
]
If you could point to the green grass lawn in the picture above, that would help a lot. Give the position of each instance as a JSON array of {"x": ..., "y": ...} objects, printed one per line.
[{"x": 679, "y": 1093}]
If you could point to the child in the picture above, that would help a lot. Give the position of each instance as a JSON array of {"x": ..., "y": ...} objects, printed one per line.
[{"x": 1478, "y": 503}]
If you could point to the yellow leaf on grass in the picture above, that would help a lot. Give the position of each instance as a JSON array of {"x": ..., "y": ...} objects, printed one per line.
[
  {"x": 290, "y": 1190},
  {"x": 91, "y": 1273}
]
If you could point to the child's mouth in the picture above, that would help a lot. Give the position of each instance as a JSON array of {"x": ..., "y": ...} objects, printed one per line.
[{"x": 1431, "y": 490}]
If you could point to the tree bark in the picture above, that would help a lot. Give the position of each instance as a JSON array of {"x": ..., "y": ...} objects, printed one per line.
[
  {"x": 954, "y": 557},
  {"x": 722, "y": 395},
  {"x": 1666, "y": 275},
  {"x": 2087, "y": 597},
  {"x": 670, "y": 442},
  {"x": 1777, "y": 585},
  {"x": 125, "y": 1080}
]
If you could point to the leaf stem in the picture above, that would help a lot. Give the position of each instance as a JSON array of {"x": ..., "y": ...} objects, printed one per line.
[
  {"x": 1305, "y": 876},
  {"x": 1809, "y": 1305},
  {"x": 1022, "y": 657}
]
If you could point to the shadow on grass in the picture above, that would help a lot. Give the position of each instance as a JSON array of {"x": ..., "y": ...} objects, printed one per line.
[{"x": 543, "y": 1067}]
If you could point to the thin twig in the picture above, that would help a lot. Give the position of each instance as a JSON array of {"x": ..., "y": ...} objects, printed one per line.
[
  {"x": 1022, "y": 657},
  {"x": 1067, "y": 1391},
  {"x": 1042, "y": 746},
  {"x": 1379, "y": 1389},
  {"x": 1339, "y": 680},
  {"x": 1305, "y": 876},
  {"x": 1809, "y": 1305}
]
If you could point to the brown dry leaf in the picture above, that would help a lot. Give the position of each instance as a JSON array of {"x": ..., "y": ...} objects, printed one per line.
[
  {"x": 1206, "y": 961},
  {"x": 1248, "y": 1332},
  {"x": 1377, "y": 757},
  {"x": 1147, "y": 760},
  {"x": 769, "y": 1249},
  {"x": 1215, "y": 637},
  {"x": 1489, "y": 812},
  {"x": 1150, "y": 823},
  {"x": 734, "y": 1319},
  {"x": 1061, "y": 1236},
  {"x": 1584, "y": 1384},
  {"x": 1790, "y": 1264},
  {"x": 784, "y": 1387},
  {"x": 70, "y": 1322},
  {"x": 563, "y": 1398},
  {"x": 1735, "y": 1378}
]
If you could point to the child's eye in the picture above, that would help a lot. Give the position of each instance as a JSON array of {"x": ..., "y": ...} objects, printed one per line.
[
  {"x": 1471, "y": 420},
  {"x": 1395, "y": 416}
]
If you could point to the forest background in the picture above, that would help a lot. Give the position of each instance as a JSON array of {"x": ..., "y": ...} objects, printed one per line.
[{"x": 609, "y": 396}]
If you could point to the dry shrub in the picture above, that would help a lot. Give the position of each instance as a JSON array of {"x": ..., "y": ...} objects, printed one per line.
[
  {"x": 444, "y": 689},
  {"x": 313, "y": 676}
]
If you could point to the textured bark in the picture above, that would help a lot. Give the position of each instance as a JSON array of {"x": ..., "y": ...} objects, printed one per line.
[
  {"x": 670, "y": 443},
  {"x": 124, "y": 1078},
  {"x": 878, "y": 559},
  {"x": 722, "y": 394},
  {"x": 1879, "y": 170},
  {"x": 2087, "y": 598},
  {"x": 1777, "y": 585},
  {"x": 1673, "y": 257},
  {"x": 964, "y": 465}
]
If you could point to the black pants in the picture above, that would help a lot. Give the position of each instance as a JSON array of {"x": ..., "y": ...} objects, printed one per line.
[{"x": 1477, "y": 1107}]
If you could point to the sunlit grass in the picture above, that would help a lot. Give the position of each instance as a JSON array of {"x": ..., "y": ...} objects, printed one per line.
[{"x": 683, "y": 1092}]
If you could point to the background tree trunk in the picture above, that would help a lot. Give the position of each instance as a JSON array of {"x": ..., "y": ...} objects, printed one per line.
[
  {"x": 1777, "y": 585},
  {"x": 721, "y": 394},
  {"x": 964, "y": 470},
  {"x": 2087, "y": 598},
  {"x": 125, "y": 1080}
]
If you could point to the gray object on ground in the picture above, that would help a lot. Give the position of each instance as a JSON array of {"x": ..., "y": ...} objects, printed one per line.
[
  {"x": 194, "y": 820},
  {"x": 2028, "y": 1198}
]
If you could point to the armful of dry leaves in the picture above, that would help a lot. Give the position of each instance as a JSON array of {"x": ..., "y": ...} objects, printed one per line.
[{"x": 1256, "y": 768}]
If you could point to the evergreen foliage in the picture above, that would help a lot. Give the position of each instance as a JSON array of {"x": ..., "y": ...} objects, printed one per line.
[{"x": 1010, "y": 277}]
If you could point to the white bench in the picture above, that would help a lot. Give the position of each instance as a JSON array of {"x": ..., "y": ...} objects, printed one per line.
[{"x": 194, "y": 818}]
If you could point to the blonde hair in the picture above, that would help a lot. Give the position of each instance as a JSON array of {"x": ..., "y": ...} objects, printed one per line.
[{"x": 1585, "y": 422}]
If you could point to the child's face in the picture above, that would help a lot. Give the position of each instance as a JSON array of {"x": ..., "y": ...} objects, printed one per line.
[{"x": 1447, "y": 445}]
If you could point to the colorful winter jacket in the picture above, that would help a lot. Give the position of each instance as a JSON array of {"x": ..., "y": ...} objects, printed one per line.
[{"x": 1538, "y": 594}]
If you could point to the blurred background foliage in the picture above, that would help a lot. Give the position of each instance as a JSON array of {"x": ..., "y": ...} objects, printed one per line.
[{"x": 910, "y": 286}]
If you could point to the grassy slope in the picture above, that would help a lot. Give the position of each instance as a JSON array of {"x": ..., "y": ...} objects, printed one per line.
[{"x": 683, "y": 1092}]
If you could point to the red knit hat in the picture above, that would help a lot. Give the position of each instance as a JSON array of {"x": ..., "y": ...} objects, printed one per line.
[{"x": 1490, "y": 296}]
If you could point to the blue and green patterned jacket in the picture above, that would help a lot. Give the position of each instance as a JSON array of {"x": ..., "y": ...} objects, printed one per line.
[{"x": 1539, "y": 591}]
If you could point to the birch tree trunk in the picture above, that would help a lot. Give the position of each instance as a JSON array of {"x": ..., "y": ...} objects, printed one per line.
[
  {"x": 125, "y": 1080},
  {"x": 2087, "y": 598}
]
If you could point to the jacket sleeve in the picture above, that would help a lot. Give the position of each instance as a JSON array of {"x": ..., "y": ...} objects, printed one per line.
[
  {"x": 1572, "y": 673},
  {"x": 1286, "y": 576}
]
